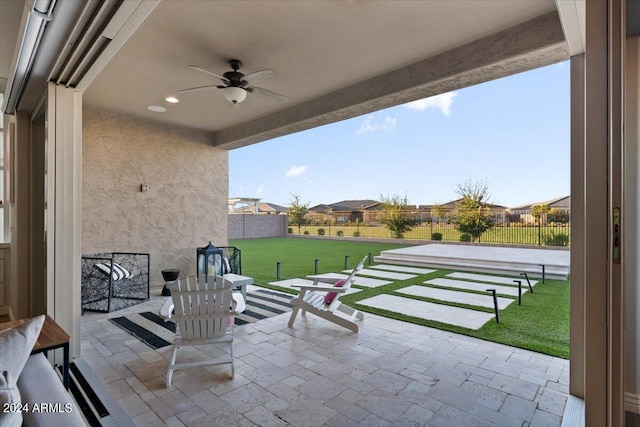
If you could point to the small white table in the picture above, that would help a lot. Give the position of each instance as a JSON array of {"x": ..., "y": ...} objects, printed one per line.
[{"x": 239, "y": 282}]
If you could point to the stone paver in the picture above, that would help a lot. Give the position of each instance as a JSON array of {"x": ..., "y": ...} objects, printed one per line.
[
  {"x": 391, "y": 275},
  {"x": 403, "y": 268},
  {"x": 455, "y": 296},
  {"x": 491, "y": 279},
  {"x": 474, "y": 286},
  {"x": 425, "y": 310}
]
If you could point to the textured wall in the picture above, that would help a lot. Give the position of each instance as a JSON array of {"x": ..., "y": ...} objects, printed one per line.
[
  {"x": 185, "y": 206},
  {"x": 255, "y": 226}
]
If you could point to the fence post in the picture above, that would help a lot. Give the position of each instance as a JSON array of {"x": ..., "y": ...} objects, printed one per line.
[
  {"x": 315, "y": 269},
  {"x": 278, "y": 270},
  {"x": 346, "y": 261}
]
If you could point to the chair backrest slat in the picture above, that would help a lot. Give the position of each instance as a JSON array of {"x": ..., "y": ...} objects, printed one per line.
[{"x": 202, "y": 306}]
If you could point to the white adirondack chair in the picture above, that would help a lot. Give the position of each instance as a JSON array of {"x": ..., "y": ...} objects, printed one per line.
[
  {"x": 204, "y": 311},
  {"x": 314, "y": 299}
]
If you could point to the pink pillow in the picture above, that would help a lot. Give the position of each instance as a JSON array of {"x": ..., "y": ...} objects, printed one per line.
[{"x": 328, "y": 299}]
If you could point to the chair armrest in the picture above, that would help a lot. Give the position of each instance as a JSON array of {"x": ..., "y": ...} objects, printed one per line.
[
  {"x": 238, "y": 303},
  {"x": 331, "y": 280},
  {"x": 166, "y": 309},
  {"x": 320, "y": 288}
]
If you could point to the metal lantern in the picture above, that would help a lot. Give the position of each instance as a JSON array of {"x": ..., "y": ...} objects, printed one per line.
[{"x": 209, "y": 260}]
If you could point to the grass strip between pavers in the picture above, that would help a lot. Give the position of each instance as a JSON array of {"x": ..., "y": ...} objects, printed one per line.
[{"x": 541, "y": 324}]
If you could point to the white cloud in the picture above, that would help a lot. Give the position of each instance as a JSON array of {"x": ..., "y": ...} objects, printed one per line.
[
  {"x": 373, "y": 124},
  {"x": 296, "y": 171},
  {"x": 260, "y": 189},
  {"x": 442, "y": 102}
]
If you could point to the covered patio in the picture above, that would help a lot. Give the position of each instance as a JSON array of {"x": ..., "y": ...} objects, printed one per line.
[
  {"x": 97, "y": 159},
  {"x": 392, "y": 373}
]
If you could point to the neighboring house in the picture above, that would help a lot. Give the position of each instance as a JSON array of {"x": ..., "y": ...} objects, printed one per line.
[
  {"x": 522, "y": 213},
  {"x": 262, "y": 208},
  {"x": 346, "y": 211},
  {"x": 451, "y": 207}
]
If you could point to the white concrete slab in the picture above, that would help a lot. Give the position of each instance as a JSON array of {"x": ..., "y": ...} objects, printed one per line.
[
  {"x": 383, "y": 274},
  {"x": 489, "y": 253},
  {"x": 403, "y": 268},
  {"x": 456, "y": 296},
  {"x": 473, "y": 286},
  {"x": 491, "y": 279},
  {"x": 290, "y": 282},
  {"x": 361, "y": 281},
  {"x": 463, "y": 317}
]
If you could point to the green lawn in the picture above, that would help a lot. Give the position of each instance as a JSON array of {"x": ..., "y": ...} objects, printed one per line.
[{"x": 541, "y": 324}]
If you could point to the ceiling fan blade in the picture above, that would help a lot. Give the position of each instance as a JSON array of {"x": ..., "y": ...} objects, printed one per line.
[
  {"x": 202, "y": 70},
  {"x": 259, "y": 76},
  {"x": 198, "y": 89},
  {"x": 267, "y": 94}
]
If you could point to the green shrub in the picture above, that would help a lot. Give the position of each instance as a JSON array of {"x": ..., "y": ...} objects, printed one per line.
[
  {"x": 320, "y": 231},
  {"x": 436, "y": 236},
  {"x": 465, "y": 237},
  {"x": 289, "y": 230},
  {"x": 554, "y": 239},
  {"x": 356, "y": 234},
  {"x": 339, "y": 233},
  {"x": 306, "y": 231}
]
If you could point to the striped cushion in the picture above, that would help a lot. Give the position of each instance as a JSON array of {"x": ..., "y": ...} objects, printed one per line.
[{"x": 118, "y": 272}]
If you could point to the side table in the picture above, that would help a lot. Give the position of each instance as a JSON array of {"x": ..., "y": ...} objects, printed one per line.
[{"x": 51, "y": 336}]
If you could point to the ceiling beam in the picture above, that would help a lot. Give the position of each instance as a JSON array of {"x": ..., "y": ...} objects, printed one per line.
[{"x": 526, "y": 46}]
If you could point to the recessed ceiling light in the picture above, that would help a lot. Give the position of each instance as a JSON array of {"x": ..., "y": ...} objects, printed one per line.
[
  {"x": 157, "y": 108},
  {"x": 172, "y": 99}
]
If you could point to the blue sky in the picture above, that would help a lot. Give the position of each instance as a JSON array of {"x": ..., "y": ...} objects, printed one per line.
[{"x": 512, "y": 132}]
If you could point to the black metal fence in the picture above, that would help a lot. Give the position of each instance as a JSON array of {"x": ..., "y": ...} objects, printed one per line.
[{"x": 505, "y": 231}]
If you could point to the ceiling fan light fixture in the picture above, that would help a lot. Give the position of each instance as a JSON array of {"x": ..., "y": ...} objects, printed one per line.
[{"x": 235, "y": 95}]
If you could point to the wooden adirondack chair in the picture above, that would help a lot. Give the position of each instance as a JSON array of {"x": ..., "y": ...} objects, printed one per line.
[
  {"x": 204, "y": 311},
  {"x": 322, "y": 298}
]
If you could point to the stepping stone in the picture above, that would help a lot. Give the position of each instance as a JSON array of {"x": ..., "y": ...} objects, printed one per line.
[
  {"x": 457, "y": 316},
  {"x": 455, "y": 296},
  {"x": 492, "y": 279},
  {"x": 383, "y": 274},
  {"x": 289, "y": 282},
  {"x": 361, "y": 281},
  {"x": 403, "y": 269},
  {"x": 474, "y": 286}
]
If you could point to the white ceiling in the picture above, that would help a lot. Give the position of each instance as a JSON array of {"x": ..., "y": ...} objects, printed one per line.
[{"x": 315, "y": 47}]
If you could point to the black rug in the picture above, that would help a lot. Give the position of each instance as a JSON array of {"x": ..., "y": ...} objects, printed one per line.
[{"x": 152, "y": 330}]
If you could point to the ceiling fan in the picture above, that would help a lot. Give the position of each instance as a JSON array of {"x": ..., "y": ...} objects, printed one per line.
[{"x": 236, "y": 85}]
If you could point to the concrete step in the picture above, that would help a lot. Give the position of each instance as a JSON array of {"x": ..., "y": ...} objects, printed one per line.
[{"x": 533, "y": 269}]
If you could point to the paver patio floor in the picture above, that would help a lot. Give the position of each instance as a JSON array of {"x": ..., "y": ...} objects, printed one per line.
[{"x": 392, "y": 373}]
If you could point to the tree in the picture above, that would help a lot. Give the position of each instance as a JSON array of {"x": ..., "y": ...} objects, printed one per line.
[
  {"x": 395, "y": 216},
  {"x": 439, "y": 211},
  {"x": 537, "y": 211},
  {"x": 558, "y": 216},
  {"x": 297, "y": 211},
  {"x": 472, "y": 210}
]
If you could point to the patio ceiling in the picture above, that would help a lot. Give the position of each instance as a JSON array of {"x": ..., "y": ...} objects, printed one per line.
[{"x": 333, "y": 60}]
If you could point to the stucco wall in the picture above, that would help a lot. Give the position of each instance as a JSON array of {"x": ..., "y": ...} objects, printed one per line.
[
  {"x": 256, "y": 226},
  {"x": 186, "y": 202}
]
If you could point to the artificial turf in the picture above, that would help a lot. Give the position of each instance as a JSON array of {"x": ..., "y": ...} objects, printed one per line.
[{"x": 540, "y": 324}]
